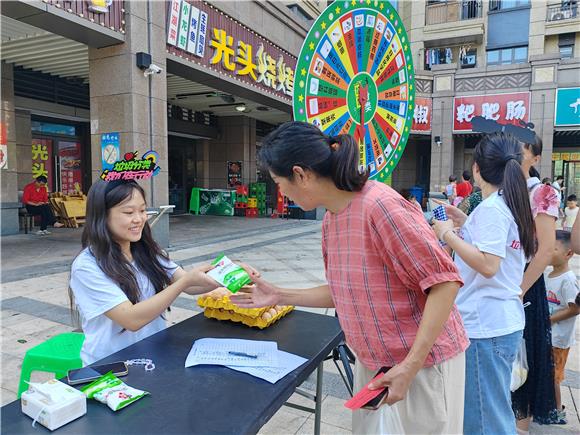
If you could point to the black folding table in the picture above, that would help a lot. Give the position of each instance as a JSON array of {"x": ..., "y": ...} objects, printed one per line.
[{"x": 202, "y": 399}]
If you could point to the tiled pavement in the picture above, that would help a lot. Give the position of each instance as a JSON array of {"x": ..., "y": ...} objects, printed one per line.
[{"x": 35, "y": 301}]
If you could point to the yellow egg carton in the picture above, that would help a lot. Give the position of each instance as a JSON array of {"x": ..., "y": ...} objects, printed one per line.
[{"x": 222, "y": 308}]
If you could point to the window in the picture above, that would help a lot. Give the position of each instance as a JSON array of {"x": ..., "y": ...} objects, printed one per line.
[
  {"x": 566, "y": 45},
  {"x": 500, "y": 5},
  {"x": 520, "y": 54},
  {"x": 493, "y": 57},
  {"x": 506, "y": 56}
]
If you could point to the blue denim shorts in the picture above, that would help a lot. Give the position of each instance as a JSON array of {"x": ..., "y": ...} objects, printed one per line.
[{"x": 488, "y": 369}]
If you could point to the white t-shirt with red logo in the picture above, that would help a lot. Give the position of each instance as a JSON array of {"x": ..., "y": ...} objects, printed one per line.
[
  {"x": 491, "y": 307},
  {"x": 561, "y": 290}
]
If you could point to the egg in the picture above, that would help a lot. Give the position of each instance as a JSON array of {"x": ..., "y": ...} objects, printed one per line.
[{"x": 266, "y": 316}]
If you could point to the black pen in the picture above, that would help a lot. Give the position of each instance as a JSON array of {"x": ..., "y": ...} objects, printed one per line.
[{"x": 247, "y": 355}]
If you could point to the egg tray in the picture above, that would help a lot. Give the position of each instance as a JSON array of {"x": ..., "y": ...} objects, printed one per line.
[
  {"x": 224, "y": 303},
  {"x": 257, "y": 322}
]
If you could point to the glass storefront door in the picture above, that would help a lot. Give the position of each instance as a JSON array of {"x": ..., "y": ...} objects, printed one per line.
[{"x": 57, "y": 153}]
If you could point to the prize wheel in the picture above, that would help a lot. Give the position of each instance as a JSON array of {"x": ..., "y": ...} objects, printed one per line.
[{"x": 355, "y": 75}]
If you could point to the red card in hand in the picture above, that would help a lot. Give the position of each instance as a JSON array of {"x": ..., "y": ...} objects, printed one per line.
[{"x": 361, "y": 398}]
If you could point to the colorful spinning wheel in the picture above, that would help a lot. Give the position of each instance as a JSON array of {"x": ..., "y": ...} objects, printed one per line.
[{"x": 355, "y": 75}]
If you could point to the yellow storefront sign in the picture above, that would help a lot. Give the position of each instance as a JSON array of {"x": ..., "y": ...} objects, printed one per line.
[{"x": 270, "y": 72}]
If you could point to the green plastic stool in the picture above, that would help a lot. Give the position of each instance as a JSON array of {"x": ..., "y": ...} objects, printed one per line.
[
  {"x": 57, "y": 355},
  {"x": 194, "y": 200}
]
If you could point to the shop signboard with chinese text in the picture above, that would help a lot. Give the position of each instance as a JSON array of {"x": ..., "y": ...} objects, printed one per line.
[
  {"x": 201, "y": 33},
  {"x": 503, "y": 108},
  {"x": 69, "y": 154},
  {"x": 422, "y": 114},
  {"x": 41, "y": 160},
  {"x": 110, "y": 149},
  {"x": 567, "y": 107}
]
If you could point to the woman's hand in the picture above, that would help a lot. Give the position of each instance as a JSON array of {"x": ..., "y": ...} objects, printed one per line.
[
  {"x": 261, "y": 294},
  {"x": 397, "y": 380},
  {"x": 441, "y": 227},
  {"x": 453, "y": 213},
  {"x": 197, "y": 277}
]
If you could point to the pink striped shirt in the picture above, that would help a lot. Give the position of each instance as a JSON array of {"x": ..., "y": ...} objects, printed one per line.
[{"x": 381, "y": 257}]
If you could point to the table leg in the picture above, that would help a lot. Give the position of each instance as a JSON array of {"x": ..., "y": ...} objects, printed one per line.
[{"x": 318, "y": 407}]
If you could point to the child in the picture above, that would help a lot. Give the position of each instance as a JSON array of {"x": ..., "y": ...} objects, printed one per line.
[
  {"x": 122, "y": 282},
  {"x": 451, "y": 189},
  {"x": 570, "y": 213},
  {"x": 562, "y": 290},
  {"x": 491, "y": 254},
  {"x": 391, "y": 283}
]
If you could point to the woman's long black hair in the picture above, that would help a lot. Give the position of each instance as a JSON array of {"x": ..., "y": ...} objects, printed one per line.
[
  {"x": 97, "y": 238},
  {"x": 536, "y": 149},
  {"x": 499, "y": 157},
  {"x": 301, "y": 144}
]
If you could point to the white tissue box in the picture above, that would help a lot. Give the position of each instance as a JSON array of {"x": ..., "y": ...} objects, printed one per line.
[{"x": 53, "y": 404}]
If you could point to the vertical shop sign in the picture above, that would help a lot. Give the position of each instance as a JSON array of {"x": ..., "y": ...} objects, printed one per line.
[
  {"x": 110, "y": 149},
  {"x": 193, "y": 29},
  {"x": 234, "y": 174},
  {"x": 3, "y": 147},
  {"x": 173, "y": 25},
  {"x": 69, "y": 154},
  {"x": 41, "y": 164},
  {"x": 422, "y": 114},
  {"x": 183, "y": 26},
  {"x": 201, "y": 34}
]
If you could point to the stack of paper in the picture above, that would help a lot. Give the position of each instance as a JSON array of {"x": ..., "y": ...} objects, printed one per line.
[{"x": 261, "y": 359}]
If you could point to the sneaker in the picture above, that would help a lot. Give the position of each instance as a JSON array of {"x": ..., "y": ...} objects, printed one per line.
[
  {"x": 561, "y": 417},
  {"x": 39, "y": 233},
  {"x": 46, "y": 232}
]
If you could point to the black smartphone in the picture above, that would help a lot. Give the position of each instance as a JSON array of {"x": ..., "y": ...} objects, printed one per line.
[
  {"x": 375, "y": 403},
  {"x": 87, "y": 374}
]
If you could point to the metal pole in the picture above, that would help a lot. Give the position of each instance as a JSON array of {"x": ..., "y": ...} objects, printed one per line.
[{"x": 318, "y": 407}]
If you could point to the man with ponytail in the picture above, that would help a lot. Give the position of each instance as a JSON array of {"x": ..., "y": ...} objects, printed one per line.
[
  {"x": 490, "y": 250},
  {"x": 391, "y": 283}
]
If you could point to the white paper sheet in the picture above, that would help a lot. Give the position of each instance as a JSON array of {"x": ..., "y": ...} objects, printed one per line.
[
  {"x": 287, "y": 362},
  {"x": 217, "y": 351}
]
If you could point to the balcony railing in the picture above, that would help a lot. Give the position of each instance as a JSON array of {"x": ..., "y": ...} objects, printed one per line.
[
  {"x": 449, "y": 11},
  {"x": 562, "y": 11}
]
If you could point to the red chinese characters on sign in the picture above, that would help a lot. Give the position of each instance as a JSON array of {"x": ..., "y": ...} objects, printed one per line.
[
  {"x": 422, "y": 114},
  {"x": 503, "y": 108}
]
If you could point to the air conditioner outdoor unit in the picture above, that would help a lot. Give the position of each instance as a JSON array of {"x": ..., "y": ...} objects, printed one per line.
[{"x": 561, "y": 15}]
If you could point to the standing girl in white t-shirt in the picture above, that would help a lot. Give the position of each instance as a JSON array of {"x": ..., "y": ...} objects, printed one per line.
[
  {"x": 490, "y": 252},
  {"x": 122, "y": 282}
]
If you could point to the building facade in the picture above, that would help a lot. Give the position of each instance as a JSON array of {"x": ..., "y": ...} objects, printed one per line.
[
  {"x": 202, "y": 82},
  {"x": 508, "y": 60},
  {"x": 84, "y": 82}
]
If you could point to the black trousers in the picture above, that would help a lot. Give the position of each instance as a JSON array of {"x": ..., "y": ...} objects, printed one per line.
[{"x": 45, "y": 213}]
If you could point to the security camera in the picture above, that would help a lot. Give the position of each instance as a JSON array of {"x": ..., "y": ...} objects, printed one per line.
[{"x": 152, "y": 69}]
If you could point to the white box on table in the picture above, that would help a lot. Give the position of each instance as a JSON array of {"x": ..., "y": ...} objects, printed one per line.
[{"x": 53, "y": 404}]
